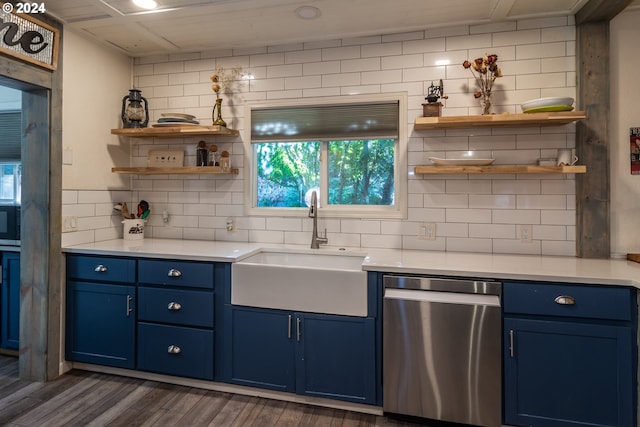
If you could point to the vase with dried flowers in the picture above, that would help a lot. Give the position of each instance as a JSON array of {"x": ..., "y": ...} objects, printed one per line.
[
  {"x": 222, "y": 82},
  {"x": 486, "y": 72}
]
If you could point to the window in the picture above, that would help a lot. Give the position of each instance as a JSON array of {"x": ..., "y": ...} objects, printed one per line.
[
  {"x": 349, "y": 151},
  {"x": 10, "y": 186}
]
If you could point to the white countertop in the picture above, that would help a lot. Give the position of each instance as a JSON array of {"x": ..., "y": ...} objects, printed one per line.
[{"x": 479, "y": 265}]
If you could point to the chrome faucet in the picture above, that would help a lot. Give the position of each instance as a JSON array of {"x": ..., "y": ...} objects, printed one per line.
[{"x": 316, "y": 240}]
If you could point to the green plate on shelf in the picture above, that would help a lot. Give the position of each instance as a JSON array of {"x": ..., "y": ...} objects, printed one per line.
[{"x": 549, "y": 109}]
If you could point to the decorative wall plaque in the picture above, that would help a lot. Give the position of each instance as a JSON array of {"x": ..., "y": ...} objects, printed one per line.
[{"x": 25, "y": 37}]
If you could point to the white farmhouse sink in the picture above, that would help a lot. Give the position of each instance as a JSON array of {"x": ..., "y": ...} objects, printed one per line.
[{"x": 327, "y": 282}]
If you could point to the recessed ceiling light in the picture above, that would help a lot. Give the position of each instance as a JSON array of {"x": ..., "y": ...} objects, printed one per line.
[
  {"x": 307, "y": 12},
  {"x": 145, "y": 4}
]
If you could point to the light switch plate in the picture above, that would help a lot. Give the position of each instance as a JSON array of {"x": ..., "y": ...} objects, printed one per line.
[{"x": 166, "y": 158}]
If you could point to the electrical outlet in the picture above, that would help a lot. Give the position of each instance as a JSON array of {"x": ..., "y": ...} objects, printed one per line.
[
  {"x": 525, "y": 232},
  {"x": 427, "y": 231},
  {"x": 69, "y": 223}
]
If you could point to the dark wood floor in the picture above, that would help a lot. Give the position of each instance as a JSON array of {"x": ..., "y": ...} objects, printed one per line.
[{"x": 81, "y": 398}]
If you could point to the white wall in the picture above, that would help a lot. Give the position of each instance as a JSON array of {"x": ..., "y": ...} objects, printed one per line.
[
  {"x": 479, "y": 213},
  {"x": 625, "y": 113},
  {"x": 95, "y": 79}
]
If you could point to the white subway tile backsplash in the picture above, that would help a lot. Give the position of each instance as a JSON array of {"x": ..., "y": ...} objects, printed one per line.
[
  {"x": 258, "y": 60},
  {"x": 457, "y": 244},
  {"x": 516, "y": 247},
  {"x": 315, "y": 68},
  {"x": 474, "y": 41},
  {"x": 541, "y": 202},
  {"x": 478, "y": 213},
  {"x": 381, "y": 77},
  {"x": 422, "y": 46},
  {"x": 495, "y": 231},
  {"x": 542, "y": 50},
  {"x": 559, "y": 248},
  {"x": 302, "y": 56},
  {"x": 338, "y": 53},
  {"x": 553, "y": 21},
  {"x": 402, "y": 61},
  {"x": 381, "y": 49},
  {"x": 521, "y": 37},
  {"x": 290, "y": 70},
  {"x": 469, "y": 215},
  {"x": 506, "y": 216}
]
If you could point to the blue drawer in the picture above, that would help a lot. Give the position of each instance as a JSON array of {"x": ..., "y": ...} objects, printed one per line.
[
  {"x": 103, "y": 269},
  {"x": 176, "y": 273},
  {"x": 177, "y": 306},
  {"x": 592, "y": 302},
  {"x": 175, "y": 350}
]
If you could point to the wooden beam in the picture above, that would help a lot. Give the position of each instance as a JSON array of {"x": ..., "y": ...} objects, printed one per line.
[
  {"x": 600, "y": 10},
  {"x": 40, "y": 256},
  {"x": 593, "y": 232}
]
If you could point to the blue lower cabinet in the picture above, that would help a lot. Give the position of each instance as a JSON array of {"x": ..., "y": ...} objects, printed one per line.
[
  {"x": 260, "y": 348},
  {"x": 570, "y": 355},
  {"x": 175, "y": 350},
  {"x": 569, "y": 374},
  {"x": 10, "y": 318},
  {"x": 101, "y": 324},
  {"x": 335, "y": 357},
  {"x": 312, "y": 354}
]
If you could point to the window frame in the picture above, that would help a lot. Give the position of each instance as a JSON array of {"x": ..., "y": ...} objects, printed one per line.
[{"x": 397, "y": 211}]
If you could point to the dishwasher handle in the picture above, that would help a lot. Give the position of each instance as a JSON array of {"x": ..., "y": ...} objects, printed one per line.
[
  {"x": 469, "y": 286},
  {"x": 442, "y": 297}
]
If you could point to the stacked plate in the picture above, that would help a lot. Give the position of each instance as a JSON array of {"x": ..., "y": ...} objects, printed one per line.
[
  {"x": 176, "y": 119},
  {"x": 546, "y": 105}
]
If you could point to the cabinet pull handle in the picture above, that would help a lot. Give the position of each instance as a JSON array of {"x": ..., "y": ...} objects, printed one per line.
[
  {"x": 129, "y": 309},
  {"x": 100, "y": 268},
  {"x": 174, "y": 306},
  {"x": 298, "y": 329},
  {"x": 174, "y": 349},
  {"x": 511, "y": 343},
  {"x": 565, "y": 300},
  {"x": 289, "y": 328},
  {"x": 174, "y": 273}
]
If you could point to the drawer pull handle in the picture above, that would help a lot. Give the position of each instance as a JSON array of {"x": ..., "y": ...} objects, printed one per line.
[
  {"x": 174, "y": 306},
  {"x": 100, "y": 268},
  {"x": 174, "y": 349},
  {"x": 174, "y": 273},
  {"x": 565, "y": 300}
]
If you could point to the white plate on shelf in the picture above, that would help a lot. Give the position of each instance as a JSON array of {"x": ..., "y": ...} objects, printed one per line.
[
  {"x": 547, "y": 102},
  {"x": 178, "y": 115},
  {"x": 173, "y": 124},
  {"x": 460, "y": 162}
]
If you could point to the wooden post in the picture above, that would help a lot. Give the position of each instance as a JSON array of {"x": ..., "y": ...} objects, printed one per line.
[
  {"x": 40, "y": 258},
  {"x": 592, "y": 142},
  {"x": 593, "y": 233}
]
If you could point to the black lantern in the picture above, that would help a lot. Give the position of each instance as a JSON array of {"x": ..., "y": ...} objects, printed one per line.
[{"x": 134, "y": 115}]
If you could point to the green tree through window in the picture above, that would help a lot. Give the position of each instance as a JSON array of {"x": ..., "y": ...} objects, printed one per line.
[{"x": 360, "y": 172}]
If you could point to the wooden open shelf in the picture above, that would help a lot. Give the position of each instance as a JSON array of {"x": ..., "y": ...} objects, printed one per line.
[
  {"x": 499, "y": 169},
  {"x": 499, "y": 120},
  {"x": 175, "y": 132},
  {"x": 184, "y": 170}
]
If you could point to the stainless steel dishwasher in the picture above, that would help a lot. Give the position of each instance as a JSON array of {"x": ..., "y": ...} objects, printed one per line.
[{"x": 442, "y": 349}]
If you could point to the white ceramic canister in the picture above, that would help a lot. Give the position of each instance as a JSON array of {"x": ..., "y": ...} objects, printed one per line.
[{"x": 133, "y": 229}]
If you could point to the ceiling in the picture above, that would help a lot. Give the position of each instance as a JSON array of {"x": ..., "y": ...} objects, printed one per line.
[{"x": 202, "y": 25}]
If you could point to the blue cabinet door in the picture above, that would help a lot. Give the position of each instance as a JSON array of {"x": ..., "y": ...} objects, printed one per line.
[
  {"x": 259, "y": 345},
  {"x": 336, "y": 357},
  {"x": 10, "y": 334},
  {"x": 568, "y": 374},
  {"x": 101, "y": 324}
]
